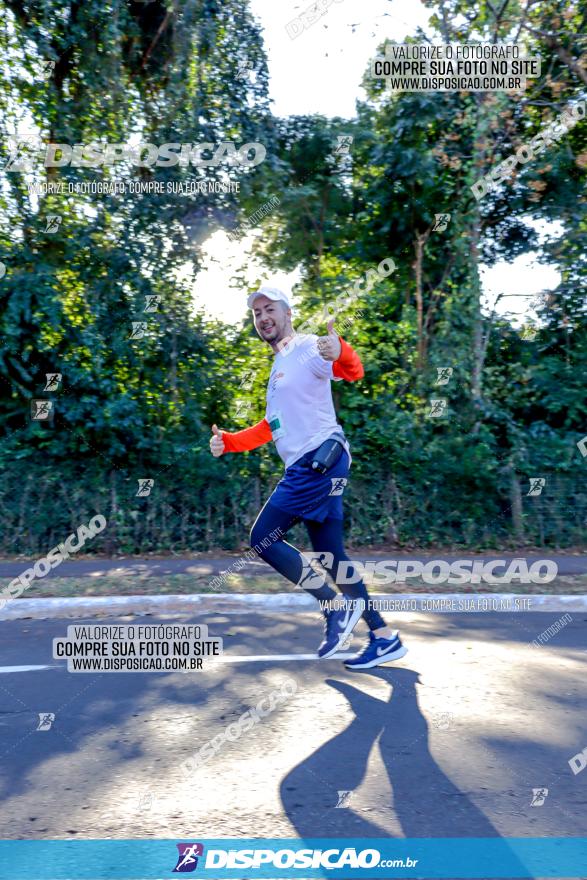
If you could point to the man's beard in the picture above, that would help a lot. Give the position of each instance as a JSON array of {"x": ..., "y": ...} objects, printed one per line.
[{"x": 274, "y": 334}]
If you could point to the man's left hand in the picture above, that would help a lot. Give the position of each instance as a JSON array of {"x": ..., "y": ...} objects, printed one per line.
[{"x": 329, "y": 347}]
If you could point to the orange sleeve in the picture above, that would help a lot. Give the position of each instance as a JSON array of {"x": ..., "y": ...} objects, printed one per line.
[
  {"x": 249, "y": 438},
  {"x": 348, "y": 366}
]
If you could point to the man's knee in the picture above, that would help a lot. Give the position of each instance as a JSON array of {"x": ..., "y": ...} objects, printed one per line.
[{"x": 259, "y": 540}]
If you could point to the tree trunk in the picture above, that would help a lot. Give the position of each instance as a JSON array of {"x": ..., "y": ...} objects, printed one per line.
[
  {"x": 516, "y": 502},
  {"x": 419, "y": 243},
  {"x": 111, "y": 538},
  {"x": 477, "y": 330}
]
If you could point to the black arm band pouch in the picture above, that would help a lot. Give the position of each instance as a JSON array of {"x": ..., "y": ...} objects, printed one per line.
[{"x": 327, "y": 454}]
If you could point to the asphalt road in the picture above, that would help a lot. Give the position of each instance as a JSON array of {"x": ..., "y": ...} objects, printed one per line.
[
  {"x": 448, "y": 742},
  {"x": 209, "y": 565}
]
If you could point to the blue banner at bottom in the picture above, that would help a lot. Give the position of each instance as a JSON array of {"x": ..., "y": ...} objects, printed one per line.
[{"x": 415, "y": 858}]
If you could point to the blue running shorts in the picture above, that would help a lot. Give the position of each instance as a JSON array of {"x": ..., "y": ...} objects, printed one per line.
[{"x": 309, "y": 494}]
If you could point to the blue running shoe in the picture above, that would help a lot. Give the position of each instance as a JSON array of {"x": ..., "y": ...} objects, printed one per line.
[
  {"x": 339, "y": 624},
  {"x": 378, "y": 651}
]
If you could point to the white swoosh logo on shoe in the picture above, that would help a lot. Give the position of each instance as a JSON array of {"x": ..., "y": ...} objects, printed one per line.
[
  {"x": 381, "y": 651},
  {"x": 346, "y": 618}
]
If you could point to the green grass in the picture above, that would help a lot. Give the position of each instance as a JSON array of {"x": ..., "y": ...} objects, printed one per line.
[{"x": 184, "y": 584}]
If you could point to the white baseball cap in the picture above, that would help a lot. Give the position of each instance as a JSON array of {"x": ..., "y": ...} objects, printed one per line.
[{"x": 271, "y": 293}]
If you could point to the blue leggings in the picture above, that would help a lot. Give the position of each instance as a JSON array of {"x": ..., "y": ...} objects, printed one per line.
[{"x": 326, "y": 538}]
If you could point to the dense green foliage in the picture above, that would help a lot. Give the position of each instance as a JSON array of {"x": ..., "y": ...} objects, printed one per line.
[{"x": 129, "y": 409}]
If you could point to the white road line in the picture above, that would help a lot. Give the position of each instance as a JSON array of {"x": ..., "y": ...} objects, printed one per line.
[
  {"x": 272, "y": 658},
  {"x": 226, "y": 658}
]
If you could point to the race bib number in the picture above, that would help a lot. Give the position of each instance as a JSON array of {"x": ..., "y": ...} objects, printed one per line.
[{"x": 276, "y": 426}]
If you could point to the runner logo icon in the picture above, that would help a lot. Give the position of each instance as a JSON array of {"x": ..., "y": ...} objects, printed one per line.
[
  {"x": 539, "y": 795},
  {"x": 312, "y": 576},
  {"x": 46, "y": 719},
  {"x": 338, "y": 485},
  {"x": 187, "y": 860}
]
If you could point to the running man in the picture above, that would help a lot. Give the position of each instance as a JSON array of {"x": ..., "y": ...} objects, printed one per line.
[{"x": 300, "y": 418}]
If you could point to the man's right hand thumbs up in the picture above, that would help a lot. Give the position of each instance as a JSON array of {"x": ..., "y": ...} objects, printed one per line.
[{"x": 216, "y": 442}]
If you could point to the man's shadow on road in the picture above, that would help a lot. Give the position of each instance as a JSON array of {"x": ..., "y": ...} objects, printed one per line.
[{"x": 425, "y": 801}]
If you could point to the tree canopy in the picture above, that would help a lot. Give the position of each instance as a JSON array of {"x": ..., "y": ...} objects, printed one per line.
[{"x": 105, "y": 299}]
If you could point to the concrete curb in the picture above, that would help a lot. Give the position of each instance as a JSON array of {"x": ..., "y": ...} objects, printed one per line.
[{"x": 233, "y": 603}]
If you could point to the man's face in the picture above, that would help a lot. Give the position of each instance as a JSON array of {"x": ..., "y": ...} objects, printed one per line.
[{"x": 272, "y": 319}]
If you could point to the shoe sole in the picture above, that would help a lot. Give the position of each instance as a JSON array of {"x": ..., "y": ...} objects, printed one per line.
[
  {"x": 379, "y": 661},
  {"x": 353, "y": 620}
]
